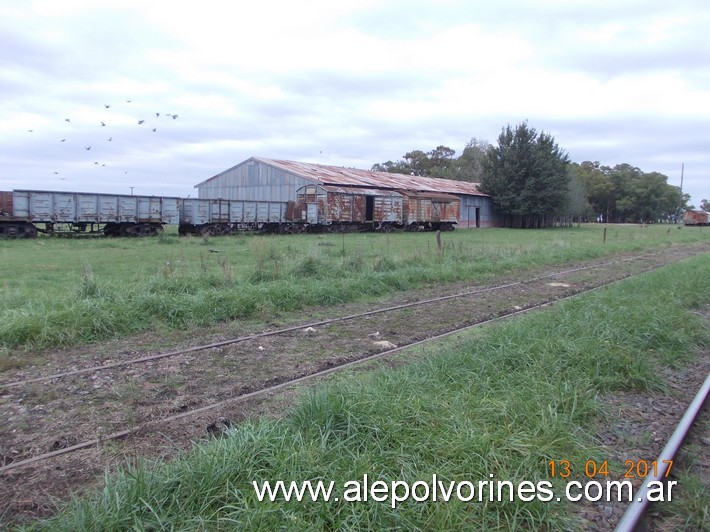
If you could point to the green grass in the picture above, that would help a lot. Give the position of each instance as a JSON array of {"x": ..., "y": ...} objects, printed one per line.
[
  {"x": 58, "y": 292},
  {"x": 501, "y": 401}
]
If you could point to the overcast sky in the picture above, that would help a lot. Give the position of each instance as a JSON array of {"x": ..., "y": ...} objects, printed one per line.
[{"x": 342, "y": 82}]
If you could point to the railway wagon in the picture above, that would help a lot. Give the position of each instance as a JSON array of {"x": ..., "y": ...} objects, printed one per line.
[
  {"x": 696, "y": 218},
  {"x": 337, "y": 209},
  {"x": 430, "y": 211},
  {"x": 223, "y": 217},
  {"x": 25, "y": 213}
]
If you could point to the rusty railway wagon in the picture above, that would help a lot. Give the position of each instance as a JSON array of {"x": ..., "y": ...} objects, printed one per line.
[
  {"x": 337, "y": 209},
  {"x": 696, "y": 218},
  {"x": 25, "y": 213}
]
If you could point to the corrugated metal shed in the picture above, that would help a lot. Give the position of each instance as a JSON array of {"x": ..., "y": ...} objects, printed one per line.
[
  {"x": 263, "y": 179},
  {"x": 341, "y": 176}
]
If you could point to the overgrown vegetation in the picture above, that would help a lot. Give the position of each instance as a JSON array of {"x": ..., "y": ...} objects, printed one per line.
[
  {"x": 61, "y": 292},
  {"x": 503, "y": 402}
]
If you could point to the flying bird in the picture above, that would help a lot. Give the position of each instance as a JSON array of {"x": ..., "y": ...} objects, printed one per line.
[
  {"x": 110, "y": 139},
  {"x": 88, "y": 148},
  {"x": 30, "y": 130},
  {"x": 128, "y": 101},
  {"x": 140, "y": 122},
  {"x": 63, "y": 140},
  {"x": 67, "y": 120},
  {"x": 106, "y": 105},
  {"x": 102, "y": 124},
  {"x": 157, "y": 114},
  {"x": 174, "y": 116},
  {"x": 154, "y": 129}
]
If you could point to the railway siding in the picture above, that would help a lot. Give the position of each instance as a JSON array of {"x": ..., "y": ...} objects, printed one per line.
[{"x": 57, "y": 413}]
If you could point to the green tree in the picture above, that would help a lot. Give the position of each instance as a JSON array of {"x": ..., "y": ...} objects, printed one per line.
[
  {"x": 705, "y": 205},
  {"x": 469, "y": 166},
  {"x": 435, "y": 163},
  {"x": 527, "y": 176},
  {"x": 577, "y": 206},
  {"x": 442, "y": 162},
  {"x": 598, "y": 187},
  {"x": 643, "y": 197}
]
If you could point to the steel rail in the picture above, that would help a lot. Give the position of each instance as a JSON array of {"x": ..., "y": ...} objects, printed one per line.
[
  {"x": 240, "y": 339},
  {"x": 233, "y": 400},
  {"x": 636, "y": 510}
]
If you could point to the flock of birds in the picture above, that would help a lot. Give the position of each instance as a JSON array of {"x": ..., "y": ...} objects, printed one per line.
[{"x": 102, "y": 124}]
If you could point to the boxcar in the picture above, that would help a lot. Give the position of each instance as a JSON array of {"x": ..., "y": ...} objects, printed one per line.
[
  {"x": 696, "y": 218},
  {"x": 430, "y": 211},
  {"x": 336, "y": 209}
]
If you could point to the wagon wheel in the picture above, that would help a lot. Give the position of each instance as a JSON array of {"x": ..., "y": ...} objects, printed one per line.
[
  {"x": 30, "y": 231},
  {"x": 146, "y": 230},
  {"x": 388, "y": 228},
  {"x": 129, "y": 230}
]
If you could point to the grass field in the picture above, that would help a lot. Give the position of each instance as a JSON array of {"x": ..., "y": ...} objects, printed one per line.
[
  {"x": 60, "y": 292},
  {"x": 503, "y": 401}
]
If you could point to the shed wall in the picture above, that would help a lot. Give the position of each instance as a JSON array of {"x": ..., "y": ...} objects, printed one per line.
[
  {"x": 486, "y": 216},
  {"x": 253, "y": 181}
]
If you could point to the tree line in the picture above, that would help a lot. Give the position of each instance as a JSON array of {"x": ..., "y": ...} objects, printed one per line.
[{"x": 534, "y": 184}]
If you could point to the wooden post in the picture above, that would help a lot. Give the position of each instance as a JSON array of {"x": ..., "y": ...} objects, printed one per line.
[{"x": 604, "y": 236}]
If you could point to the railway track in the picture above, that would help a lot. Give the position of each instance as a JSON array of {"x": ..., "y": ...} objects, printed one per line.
[
  {"x": 320, "y": 323},
  {"x": 638, "y": 508},
  {"x": 266, "y": 390}
]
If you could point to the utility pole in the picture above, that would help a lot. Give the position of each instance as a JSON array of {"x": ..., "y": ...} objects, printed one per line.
[
  {"x": 682, "y": 168},
  {"x": 131, "y": 190},
  {"x": 679, "y": 216}
]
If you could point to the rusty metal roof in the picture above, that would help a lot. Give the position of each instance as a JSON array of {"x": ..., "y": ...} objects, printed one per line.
[
  {"x": 342, "y": 176},
  {"x": 337, "y": 175}
]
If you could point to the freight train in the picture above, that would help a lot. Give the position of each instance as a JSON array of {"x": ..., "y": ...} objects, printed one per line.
[{"x": 316, "y": 208}]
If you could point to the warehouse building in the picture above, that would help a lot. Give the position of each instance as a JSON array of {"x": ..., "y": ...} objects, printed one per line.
[{"x": 260, "y": 179}]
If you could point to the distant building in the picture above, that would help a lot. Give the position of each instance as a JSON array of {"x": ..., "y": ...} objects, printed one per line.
[{"x": 259, "y": 179}]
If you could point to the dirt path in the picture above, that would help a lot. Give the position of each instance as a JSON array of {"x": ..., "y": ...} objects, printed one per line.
[{"x": 54, "y": 414}]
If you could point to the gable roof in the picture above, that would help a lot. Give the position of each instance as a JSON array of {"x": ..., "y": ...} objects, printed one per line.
[{"x": 341, "y": 176}]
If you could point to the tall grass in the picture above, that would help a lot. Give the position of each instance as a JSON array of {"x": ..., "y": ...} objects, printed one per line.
[
  {"x": 59, "y": 292},
  {"x": 501, "y": 402}
]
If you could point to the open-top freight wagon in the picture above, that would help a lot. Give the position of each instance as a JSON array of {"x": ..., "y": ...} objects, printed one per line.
[
  {"x": 223, "y": 217},
  {"x": 24, "y": 213}
]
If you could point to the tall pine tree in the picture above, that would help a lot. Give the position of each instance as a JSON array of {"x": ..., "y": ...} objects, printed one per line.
[{"x": 526, "y": 174}]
